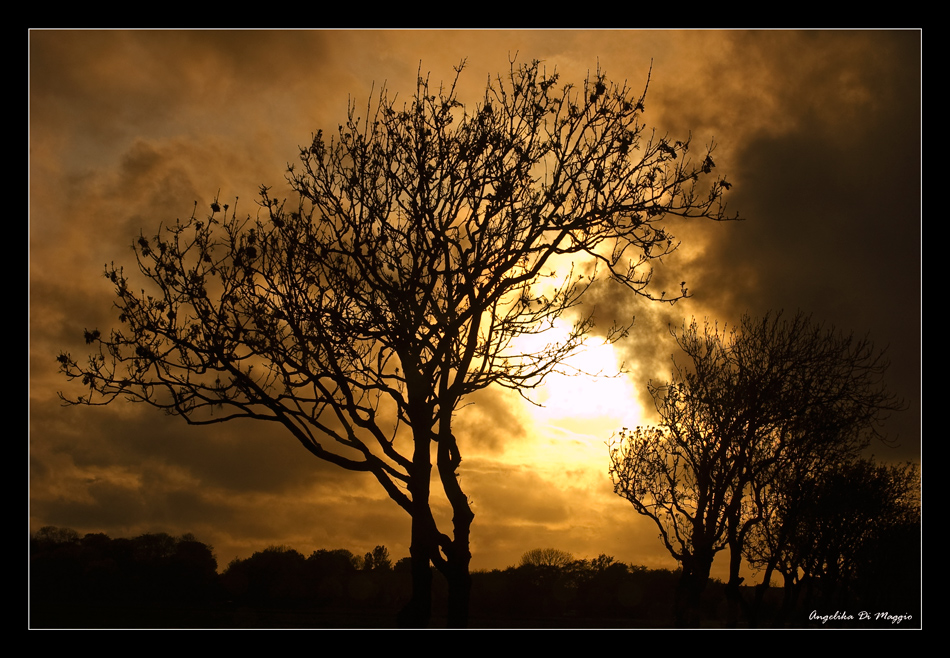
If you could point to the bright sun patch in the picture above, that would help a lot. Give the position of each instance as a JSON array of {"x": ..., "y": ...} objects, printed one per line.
[{"x": 590, "y": 398}]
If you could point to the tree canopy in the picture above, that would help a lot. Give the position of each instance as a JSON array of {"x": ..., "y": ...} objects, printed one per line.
[
  {"x": 831, "y": 528},
  {"x": 546, "y": 557},
  {"x": 419, "y": 243},
  {"x": 751, "y": 407}
]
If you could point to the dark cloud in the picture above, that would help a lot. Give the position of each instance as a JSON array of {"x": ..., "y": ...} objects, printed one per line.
[
  {"x": 820, "y": 134},
  {"x": 489, "y": 421}
]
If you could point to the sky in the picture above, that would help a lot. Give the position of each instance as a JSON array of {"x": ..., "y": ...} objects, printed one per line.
[{"x": 818, "y": 131}]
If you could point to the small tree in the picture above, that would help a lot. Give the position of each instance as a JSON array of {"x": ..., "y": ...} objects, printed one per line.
[
  {"x": 546, "y": 557},
  {"x": 425, "y": 239},
  {"x": 50, "y": 535},
  {"x": 378, "y": 560},
  {"x": 771, "y": 396}
]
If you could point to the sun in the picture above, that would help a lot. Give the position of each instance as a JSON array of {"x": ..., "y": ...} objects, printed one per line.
[{"x": 589, "y": 397}]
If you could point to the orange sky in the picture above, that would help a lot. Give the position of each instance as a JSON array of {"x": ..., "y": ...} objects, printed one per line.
[{"x": 818, "y": 131}]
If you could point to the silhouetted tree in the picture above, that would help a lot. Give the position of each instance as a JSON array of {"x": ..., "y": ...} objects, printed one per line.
[
  {"x": 194, "y": 569},
  {"x": 56, "y": 565},
  {"x": 150, "y": 570},
  {"x": 772, "y": 396},
  {"x": 152, "y": 547},
  {"x": 338, "y": 560},
  {"x": 425, "y": 240},
  {"x": 378, "y": 559},
  {"x": 888, "y": 574},
  {"x": 51, "y": 535},
  {"x": 274, "y": 576},
  {"x": 546, "y": 557},
  {"x": 832, "y": 529}
]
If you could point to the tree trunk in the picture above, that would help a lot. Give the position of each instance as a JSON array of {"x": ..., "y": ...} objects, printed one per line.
[
  {"x": 458, "y": 554},
  {"x": 734, "y": 601},
  {"x": 790, "y": 591},
  {"x": 756, "y": 612},
  {"x": 688, "y": 593},
  {"x": 460, "y": 590},
  {"x": 418, "y": 611},
  {"x": 689, "y": 590}
]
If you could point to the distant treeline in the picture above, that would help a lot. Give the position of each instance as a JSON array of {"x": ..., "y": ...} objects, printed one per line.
[{"x": 160, "y": 581}]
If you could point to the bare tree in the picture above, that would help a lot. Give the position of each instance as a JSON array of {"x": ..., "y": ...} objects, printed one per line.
[
  {"x": 771, "y": 396},
  {"x": 423, "y": 241},
  {"x": 546, "y": 557}
]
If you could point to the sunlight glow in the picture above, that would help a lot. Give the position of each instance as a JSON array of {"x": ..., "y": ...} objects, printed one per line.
[{"x": 589, "y": 399}]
